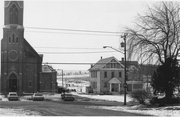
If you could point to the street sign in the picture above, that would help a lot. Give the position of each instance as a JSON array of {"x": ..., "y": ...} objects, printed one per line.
[{"x": 125, "y": 85}]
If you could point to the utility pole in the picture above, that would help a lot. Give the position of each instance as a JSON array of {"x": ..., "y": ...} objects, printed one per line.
[
  {"x": 62, "y": 79},
  {"x": 123, "y": 44}
]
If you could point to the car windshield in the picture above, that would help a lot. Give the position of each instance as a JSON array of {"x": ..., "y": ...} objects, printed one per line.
[
  {"x": 13, "y": 94},
  {"x": 38, "y": 94}
]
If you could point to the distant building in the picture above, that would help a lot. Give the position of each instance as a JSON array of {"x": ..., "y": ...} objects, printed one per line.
[
  {"x": 20, "y": 63},
  {"x": 48, "y": 79},
  {"x": 79, "y": 86},
  {"x": 107, "y": 75}
]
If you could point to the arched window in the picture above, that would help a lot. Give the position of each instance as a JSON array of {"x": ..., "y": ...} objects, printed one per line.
[
  {"x": 9, "y": 39},
  {"x": 13, "y": 14},
  {"x": 16, "y": 39},
  {"x": 13, "y": 37}
]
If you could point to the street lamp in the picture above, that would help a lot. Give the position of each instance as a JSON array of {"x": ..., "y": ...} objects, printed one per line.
[
  {"x": 123, "y": 44},
  {"x": 113, "y": 49}
]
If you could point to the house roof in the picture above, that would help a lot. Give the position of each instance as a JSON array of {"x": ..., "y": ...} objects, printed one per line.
[
  {"x": 102, "y": 62},
  {"x": 130, "y": 63},
  {"x": 47, "y": 68}
]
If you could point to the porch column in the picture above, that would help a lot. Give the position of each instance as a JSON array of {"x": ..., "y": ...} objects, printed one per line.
[
  {"x": 119, "y": 87},
  {"x": 110, "y": 87}
]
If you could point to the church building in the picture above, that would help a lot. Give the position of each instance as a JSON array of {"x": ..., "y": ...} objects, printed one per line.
[{"x": 20, "y": 63}]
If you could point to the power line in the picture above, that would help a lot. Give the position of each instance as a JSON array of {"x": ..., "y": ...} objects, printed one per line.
[
  {"x": 46, "y": 63},
  {"x": 82, "y": 33},
  {"x": 76, "y": 52},
  {"x": 70, "y": 48},
  {"x": 75, "y": 30}
]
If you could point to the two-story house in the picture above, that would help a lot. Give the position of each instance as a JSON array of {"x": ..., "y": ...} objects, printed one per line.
[{"x": 107, "y": 75}]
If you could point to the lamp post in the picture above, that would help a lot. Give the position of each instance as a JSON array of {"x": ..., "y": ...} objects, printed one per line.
[{"x": 123, "y": 44}]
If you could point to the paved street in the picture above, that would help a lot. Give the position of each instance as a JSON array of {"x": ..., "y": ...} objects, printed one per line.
[{"x": 77, "y": 108}]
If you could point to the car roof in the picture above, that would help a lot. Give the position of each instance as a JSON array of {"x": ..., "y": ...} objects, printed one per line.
[
  {"x": 37, "y": 93},
  {"x": 12, "y": 93}
]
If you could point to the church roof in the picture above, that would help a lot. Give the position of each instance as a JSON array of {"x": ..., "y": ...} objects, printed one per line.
[
  {"x": 20, "y": 3},
  {"x": 28, "y": 47}
]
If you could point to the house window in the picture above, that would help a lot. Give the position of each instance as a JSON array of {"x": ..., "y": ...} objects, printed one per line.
[
  {"x": 94, "y": 85},
  {"x": 112, "y": 74},
  {"x": 129, "y": 87},
  {"x": 120, "y": 75},
  {"x": 105, "y": 85},
  {"x": 105, "y": 74},
  {"x": 94, "y": 74},
  {"x": 30, "y": 84}
]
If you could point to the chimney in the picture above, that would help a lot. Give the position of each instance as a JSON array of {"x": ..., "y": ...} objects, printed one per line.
[{"x": 101, "y": 57}]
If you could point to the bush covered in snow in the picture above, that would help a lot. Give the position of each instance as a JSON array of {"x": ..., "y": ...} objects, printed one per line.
[{"x": 140, "y": 96}]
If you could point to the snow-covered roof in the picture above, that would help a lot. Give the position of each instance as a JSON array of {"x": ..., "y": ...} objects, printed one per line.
[
  {"x": 47, "y": 68},
  {"x": 102, "y": 63}
]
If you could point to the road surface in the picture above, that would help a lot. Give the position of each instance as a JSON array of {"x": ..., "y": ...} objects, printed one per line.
[{"x": 61, "y": 108}]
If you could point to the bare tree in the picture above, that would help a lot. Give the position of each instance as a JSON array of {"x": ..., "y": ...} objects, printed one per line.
[
  {"x": 156, "y": 34},
  {"x": 156, "y": 37}
]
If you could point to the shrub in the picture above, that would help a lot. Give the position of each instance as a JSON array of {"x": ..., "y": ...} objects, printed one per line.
[
  {"x": 164, "y": 101},
  {"x": 140, "y": 96}
]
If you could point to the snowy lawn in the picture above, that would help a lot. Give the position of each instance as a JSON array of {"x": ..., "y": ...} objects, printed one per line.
[
  {"x": 170, "y": 111},
  {"x": 17, "y": 112}
]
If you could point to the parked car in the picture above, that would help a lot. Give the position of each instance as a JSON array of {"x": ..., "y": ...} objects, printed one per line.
[
  {"x": 37, "y": 97},
  {"x": 67, "y": 97},
  {"x": 12, "y": 96}
]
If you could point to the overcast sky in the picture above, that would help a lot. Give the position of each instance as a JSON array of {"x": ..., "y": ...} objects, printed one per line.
[{"x": 93, "y": 15}]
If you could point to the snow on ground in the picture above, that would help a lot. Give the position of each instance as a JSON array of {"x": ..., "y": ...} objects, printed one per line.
[
  {"x": 17, "y": 112},
  {"x": 170, "y": 111},
  {"x": 118, "y": 98},
  {"x": 162, "y": 111}
]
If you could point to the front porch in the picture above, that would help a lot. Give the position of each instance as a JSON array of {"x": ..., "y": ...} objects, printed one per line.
[{"x": 114, "y": 86}]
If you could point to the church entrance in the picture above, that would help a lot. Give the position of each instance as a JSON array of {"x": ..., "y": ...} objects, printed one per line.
[{"x": 12, "y": 83}]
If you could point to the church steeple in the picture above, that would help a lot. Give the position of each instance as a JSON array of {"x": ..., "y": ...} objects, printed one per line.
[{"x": 13, "y": 12}]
